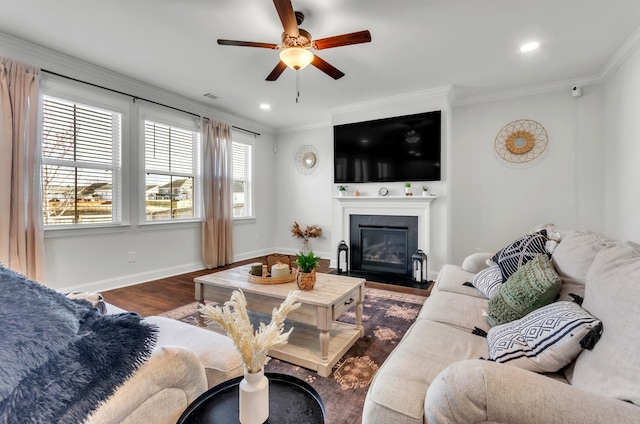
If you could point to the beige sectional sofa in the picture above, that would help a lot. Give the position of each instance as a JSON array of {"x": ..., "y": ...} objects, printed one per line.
[
  {"x": 435, "y": 374},
  {"x": 185, "y": 362}
]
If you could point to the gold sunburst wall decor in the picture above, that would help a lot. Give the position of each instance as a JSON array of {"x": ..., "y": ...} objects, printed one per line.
[{"x": 520, "y": 143}]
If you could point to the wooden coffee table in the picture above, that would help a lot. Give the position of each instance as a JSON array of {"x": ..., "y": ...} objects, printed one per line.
[{"x": 318, "y": 341}]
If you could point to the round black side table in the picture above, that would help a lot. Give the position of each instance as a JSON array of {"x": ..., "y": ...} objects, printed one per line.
[{"x": 291, "y": 400}]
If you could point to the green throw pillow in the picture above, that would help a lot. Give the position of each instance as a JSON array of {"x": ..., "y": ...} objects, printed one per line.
[{"x": 532, "y": 286}]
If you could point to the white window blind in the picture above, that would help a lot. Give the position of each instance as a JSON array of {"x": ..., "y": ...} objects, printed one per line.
[
  {"x": 171, "y": 166},
  {"x": 80, "y": 163},
  {"x": 242, "y": 179}
]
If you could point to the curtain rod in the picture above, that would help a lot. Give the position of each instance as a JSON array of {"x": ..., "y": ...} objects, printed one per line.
[{"x": 141, "y": 98}]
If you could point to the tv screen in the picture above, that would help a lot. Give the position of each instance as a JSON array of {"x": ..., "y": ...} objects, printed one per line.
[{"x": 402, "y": 148}]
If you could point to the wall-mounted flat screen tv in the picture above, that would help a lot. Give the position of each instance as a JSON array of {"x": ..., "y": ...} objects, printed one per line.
[{"x": 402, "y": 148}]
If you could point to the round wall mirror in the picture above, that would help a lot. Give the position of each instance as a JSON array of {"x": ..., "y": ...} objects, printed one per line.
[{"x": 307, "y": 159}]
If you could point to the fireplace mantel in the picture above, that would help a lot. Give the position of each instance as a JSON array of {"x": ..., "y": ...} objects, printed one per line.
[{"x": 419, "y": 206}]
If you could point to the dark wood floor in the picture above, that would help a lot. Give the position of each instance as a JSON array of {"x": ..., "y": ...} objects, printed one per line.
[{"x": 158, "y": 296}]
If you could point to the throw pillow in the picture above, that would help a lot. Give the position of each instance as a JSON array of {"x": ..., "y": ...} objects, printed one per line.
[
  {"x": 488, "y": 281},
  {"x": 545, "y": 340},
  {"x": 534, "y": 285},
  {"x": 520, "y": 251}
]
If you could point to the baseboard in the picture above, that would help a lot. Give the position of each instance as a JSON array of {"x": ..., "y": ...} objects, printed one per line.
[{"x": 132, "y": 279}]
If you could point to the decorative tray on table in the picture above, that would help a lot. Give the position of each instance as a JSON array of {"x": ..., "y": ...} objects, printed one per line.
[{"x": 268, "y": 279}]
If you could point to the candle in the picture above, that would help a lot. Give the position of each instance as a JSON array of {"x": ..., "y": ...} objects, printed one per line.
[{"x": 279, "y": 270}]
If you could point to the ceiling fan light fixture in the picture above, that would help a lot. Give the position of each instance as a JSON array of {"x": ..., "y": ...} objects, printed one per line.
[{"x": 296, "y": 57}]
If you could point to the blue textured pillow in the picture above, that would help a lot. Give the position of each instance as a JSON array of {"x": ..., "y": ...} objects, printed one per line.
[{"x": 60, "y": 357}]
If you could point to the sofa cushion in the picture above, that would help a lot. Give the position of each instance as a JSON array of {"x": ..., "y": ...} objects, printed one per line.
[
  {"x": 452, "y": 279},
  {"x": 459, "y": 310},
  {"x": 575, "y": 253},
  {"x": 216, "y": 352},
  {"x": 519, "y": 252},
  {"x": 545, "y": 340},
  {"x": 398, "y": 389},
  {"x": 612, "y": 294},
  {"x": 488, "y": 281},
  {"x": 534, "y": 285}
]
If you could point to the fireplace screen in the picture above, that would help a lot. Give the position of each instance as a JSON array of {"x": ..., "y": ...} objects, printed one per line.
[{"x": 384, "y": 249}]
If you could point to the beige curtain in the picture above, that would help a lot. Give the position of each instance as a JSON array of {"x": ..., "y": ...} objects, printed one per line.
[
  {"x": 21, "y": 235},
  {"x": 217, "y": 184}
]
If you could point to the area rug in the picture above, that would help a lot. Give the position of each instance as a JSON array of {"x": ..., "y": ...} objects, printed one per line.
[{"x": 386, "y": 317}]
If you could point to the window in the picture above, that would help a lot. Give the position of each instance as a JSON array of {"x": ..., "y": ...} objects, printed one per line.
[
  {"x": 242, "y": 176},
  {"x": 172, "y": 169},
  {"x": 80, "y": 163}
]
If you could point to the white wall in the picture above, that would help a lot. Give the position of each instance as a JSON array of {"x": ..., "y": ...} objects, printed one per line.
[
  {"x": 622, "y": 140},
  {"x": 492, "y": 204},
  {"x": 303, "y": 198}
]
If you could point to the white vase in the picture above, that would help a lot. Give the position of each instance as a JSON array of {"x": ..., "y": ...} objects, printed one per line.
[
  {"x": 425, "y": 193},
  {"x": 342, "y": 193},
  {"x": 254, "y": 398}
]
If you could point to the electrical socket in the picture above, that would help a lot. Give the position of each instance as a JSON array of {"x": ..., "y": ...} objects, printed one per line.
[{"x": 132, "y": 257}]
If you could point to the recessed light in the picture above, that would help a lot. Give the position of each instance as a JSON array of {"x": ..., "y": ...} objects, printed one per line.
[
  {"x": 265, "y": 106},
  {"x": 529, "y": 47}
]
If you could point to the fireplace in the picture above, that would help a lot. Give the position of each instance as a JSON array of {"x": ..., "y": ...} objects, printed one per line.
[{"x": 383, "y": 243}]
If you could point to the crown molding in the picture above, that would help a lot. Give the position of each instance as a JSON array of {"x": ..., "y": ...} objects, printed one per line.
[
  {"x": 304, "y": 128},
  {"x": 528, "y": 91},
  {"x": 64, "y": 64},
  {"x": 621, "y": 55},
  {"x": 393, "y": 100}
]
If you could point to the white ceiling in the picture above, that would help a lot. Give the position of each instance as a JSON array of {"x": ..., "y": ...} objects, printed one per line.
[{"x": 417, "y": 45}]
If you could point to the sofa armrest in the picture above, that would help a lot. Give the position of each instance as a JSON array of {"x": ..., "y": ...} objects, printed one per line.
[
  {"x": 476, "y": 262},
  {"x": 477, "y": 391},
  {"x": 158, "y": 391}
]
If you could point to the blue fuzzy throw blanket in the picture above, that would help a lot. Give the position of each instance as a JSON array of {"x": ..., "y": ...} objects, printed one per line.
[{"x": 60, "y": 358}]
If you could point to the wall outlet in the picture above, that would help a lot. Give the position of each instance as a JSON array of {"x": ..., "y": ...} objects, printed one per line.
[
  {"x": 257, "y": 238},
  {"x": 132, "y": 257}
]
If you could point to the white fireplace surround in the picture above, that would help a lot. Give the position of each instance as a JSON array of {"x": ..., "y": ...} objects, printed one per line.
[{"x": 345, "y": 206}]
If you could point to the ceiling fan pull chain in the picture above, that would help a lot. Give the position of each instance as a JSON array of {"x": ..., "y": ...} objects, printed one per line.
[{"x": 297, "y": 85}]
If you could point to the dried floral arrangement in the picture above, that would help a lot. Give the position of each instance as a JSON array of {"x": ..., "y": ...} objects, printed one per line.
[
  {"x": 252, "y": 345},
  {"x": 310, "y": 231}
]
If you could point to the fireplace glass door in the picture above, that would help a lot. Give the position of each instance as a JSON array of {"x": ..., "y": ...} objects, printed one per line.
[{"x": 384, "y": 249}]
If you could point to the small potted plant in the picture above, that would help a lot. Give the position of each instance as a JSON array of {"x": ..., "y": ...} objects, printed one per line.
[
  {"x": 342, "y": 189},
  {"x": 407, "y": 189},
  {"x": 425, "y": 189},
  {"x": 307, "y": 264}
]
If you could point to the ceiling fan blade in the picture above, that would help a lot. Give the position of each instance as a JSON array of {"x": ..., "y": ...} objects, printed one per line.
[
  {"x": 342, "y": 40},
  {"x": 327, "y": 68},
  {"x": 287, "y": 17},
  {"x": 277, "y": 71},
  {"x": 247, "y": 44}
]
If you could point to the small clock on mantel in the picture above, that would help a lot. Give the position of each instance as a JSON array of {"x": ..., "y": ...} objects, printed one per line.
[{"x": 383, "y": 191}]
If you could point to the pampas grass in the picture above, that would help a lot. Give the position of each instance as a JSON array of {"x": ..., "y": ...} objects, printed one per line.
[{"x": 252, "y": 345}]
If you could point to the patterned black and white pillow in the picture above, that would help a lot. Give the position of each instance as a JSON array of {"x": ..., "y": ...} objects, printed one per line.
[
  {"x": 519, "y": 252},
  {"x": 547, "y": 339},
  {"x": 488, "y": 281}
]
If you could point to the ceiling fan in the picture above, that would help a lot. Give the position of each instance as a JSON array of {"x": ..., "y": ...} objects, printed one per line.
[{"x": 296, "y": 43}]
